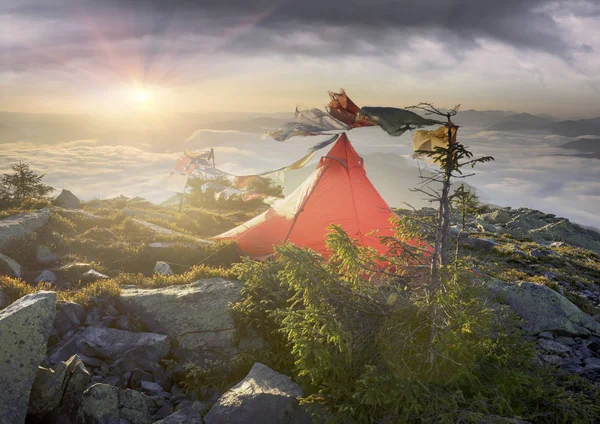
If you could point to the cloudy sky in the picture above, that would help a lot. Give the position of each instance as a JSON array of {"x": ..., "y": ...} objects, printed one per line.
[{"x": 114, "y": 56}]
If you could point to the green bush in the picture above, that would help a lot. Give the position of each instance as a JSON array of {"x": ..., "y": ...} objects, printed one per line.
[{"x": 374, "y": 347}]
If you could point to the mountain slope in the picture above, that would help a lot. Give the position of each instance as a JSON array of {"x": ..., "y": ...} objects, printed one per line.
[{"x": 522, "y": 122}]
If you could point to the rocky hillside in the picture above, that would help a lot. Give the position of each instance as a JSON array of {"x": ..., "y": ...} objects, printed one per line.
[{"x": 113, "y": 311}]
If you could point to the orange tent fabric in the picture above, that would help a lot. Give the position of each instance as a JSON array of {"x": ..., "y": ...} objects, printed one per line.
[{"x": 337, "y": 192}]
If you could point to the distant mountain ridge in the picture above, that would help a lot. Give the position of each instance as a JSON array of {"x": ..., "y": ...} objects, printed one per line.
[
  {"x": 526, "y": 122},
  {"x": 522, "y": 122},
  {"x": 584, "y": 145},
  {"x": 158, "y": 131}
]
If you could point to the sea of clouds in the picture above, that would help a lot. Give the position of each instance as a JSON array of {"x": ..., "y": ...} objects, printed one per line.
[{"x": 530, "y": 170}]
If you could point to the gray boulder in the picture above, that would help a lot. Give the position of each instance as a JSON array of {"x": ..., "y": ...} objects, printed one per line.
[
  {"x": 481, "y": 244},
  {"x": 109, "y": 342},
  {"x": 103, "y": 403},
  {"x": 163, "y": 268},
  {"x": 46, "y": 276},
  {"x": 24, "y": 329},
  {"x": 183, "y": 416},
  {"x": 56, "y": 391},
  {"x": 263, "y": 396},
  {"x": 67, "y": 200},
  {"x": 9, "y": 267},
  {"x": 93, "y": 275},
  {"x": 197, "y": 315},
  {"x": 542, "y": 309},
  {"x": 19, "y": 226}
]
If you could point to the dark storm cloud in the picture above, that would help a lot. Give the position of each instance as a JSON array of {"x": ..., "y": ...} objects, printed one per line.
[{"x": 335, "y": 27}]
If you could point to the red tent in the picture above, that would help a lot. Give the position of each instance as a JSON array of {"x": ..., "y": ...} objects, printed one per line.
[{"x": 337, "y": 192}]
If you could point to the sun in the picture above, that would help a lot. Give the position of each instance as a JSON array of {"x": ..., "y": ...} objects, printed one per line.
[{"x": 141, "y": 95}]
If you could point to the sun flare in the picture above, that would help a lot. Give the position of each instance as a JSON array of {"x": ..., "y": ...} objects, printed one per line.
[{"x": 141, "y": 95}]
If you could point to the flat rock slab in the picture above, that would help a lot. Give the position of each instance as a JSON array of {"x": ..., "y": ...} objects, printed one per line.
[
  {"x": 157, "y": 229},
  {"x": 542, "y": 309},
  {"x": 19, "y": 226},
  {"x": 196, "y": 314},
  {"x": 111, "y": 342},
  {"x": 24, "y": 329}
]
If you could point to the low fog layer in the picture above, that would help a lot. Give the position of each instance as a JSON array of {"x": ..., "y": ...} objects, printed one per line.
[{"x": 530, "y": 170}]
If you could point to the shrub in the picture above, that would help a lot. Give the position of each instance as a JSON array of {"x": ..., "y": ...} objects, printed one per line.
[
  {"x": 373, "y": 346},
  {"x": 196, "y": 273},
  {"x": 31, "y": 203},
  {"x": 15, "y": 288}
]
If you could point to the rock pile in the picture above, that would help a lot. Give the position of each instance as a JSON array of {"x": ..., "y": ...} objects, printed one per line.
[
  {"x": 538, "y": 226},
  {"x": 71, "y": 364},
  {"x": 566, "y": 336}
]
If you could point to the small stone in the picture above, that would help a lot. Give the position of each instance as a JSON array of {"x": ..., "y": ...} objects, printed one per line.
[
  {"x": 92, "y": 275},
  {"x": 552, "y": 346},
  {"x": 567, "y": 341},
  {"x": 45, "y": 276},
  {"x": 123, "y": 323},
  {"x": 551, "y": 359},
  {"x": 163, "y": 268},
  {"x": 151, "y": 386},
  {"x": 137, "y": 376},
  {"x": 592, "y": 364},
  {"x": 92, "y": 362},
  {"x": 546, "y": 335}
]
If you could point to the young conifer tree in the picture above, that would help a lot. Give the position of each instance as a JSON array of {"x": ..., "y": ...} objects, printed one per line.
[
  {"x": 451, "y": 160},
  {"x": 23, "y": 183}
]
